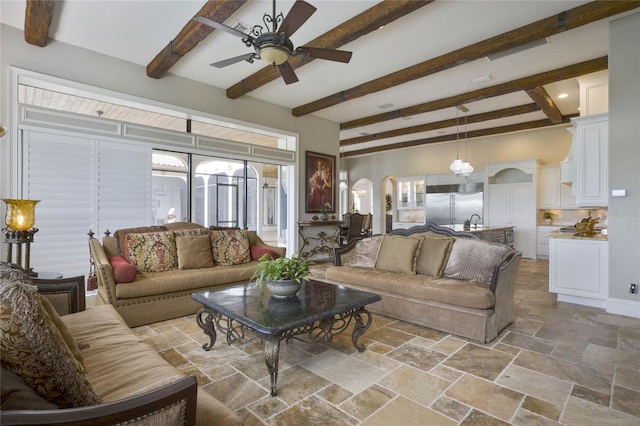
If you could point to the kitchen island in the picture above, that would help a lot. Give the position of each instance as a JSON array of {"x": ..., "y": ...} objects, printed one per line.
[
  {"x": 579, "y": 268},
  {"x": 496, "y": 234}
]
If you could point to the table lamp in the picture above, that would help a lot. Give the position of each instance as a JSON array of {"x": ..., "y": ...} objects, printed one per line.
[{"x": 19, "y": 219}]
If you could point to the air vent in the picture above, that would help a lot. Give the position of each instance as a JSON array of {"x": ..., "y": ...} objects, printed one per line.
[
  {"x": 518, "y": 49},
  {"x": 240, "y": 26}
]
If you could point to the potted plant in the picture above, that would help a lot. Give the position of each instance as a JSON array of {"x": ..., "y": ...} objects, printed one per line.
[
  {"x": 283, "y": 276},
  {"x": 547, "y": 215}
]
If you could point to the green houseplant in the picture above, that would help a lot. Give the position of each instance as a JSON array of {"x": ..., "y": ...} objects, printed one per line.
[
  {"x": 283, "y": 276},
  {"x": 547, "y": 215}
]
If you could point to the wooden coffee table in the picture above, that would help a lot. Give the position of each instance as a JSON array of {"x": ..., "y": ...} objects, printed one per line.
[{"x": 319, "y": 310}]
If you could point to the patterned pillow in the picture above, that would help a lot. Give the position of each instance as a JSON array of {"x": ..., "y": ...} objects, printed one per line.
[
  {"x": 194, "y": 252},
  {"x": 398, "y": 253},
  {"x": 153, "y": 251},
  {"x": 365, "y": 252},
  {"x": 230, "y": 247},
  {"x": 190, "y": 232},
  {"x": 32, "y": 347},
  {"x": 121, "y": 237},
  {"x": 474, "y": 260}
]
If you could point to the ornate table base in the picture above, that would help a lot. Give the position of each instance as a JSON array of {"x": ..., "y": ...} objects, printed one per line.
[{"x": 210, "y": 320}]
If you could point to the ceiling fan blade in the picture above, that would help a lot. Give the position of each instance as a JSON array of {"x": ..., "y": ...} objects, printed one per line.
[
  {"x": 328, "y": 54},
  {"x": 298, "y": 15},
  {"x": 221, "y": 27},
  {"x": 286, "y": 71},
  {"x": 231, "y": 61}
]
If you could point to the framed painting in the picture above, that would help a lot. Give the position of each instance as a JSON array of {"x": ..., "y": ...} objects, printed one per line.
[{"x": 320, "y": 177}]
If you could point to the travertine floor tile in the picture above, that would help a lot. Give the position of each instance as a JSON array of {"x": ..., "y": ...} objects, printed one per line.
[
  {"x": 451, "y": 408},
  {"x": 315, "y": 411},
  {"x": 480, "y": 361},
  {"x": 626, "y": 400},
  {"x": 236, "y": 391},
  {"x": 417, "y": 356},
  {"x": 346, "y": 371},
  {"x": 296, "y": 384},
  {"x": 367, "y": 402},
  {"x": 542, "y": 386},
  {"x": 416, "y": 385},
  {"x": 581, "y": 412},
  {"x": 486, "y": 396},
  {"x": 402, "y": 411}
]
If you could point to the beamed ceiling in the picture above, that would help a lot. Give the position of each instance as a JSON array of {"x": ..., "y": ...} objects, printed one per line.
[{"x": 413, "y": 61}]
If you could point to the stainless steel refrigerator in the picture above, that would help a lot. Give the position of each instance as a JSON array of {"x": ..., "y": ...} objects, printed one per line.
[{"x": 453, "y": 204}]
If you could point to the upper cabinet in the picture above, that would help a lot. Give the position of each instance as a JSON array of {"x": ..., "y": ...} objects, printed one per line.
[
  {"x": 411, "y": 192},
  {"x": 553, "y": 194},
  {"x": 591, "y": 155},
  {"x": 450, "y": 178}
]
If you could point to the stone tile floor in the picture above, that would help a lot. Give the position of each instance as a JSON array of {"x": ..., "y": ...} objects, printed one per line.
[{"x": 558, "y": 363}]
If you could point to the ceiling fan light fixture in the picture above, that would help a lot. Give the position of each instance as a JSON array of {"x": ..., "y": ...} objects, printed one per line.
[{"x": 273, "y": 55}]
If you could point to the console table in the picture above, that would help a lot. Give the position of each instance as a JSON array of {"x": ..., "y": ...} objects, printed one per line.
[{"x": 319, "y": 237}]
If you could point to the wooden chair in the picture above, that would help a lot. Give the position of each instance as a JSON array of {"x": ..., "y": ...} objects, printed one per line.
[
  {"x": 366, "y": 225},
  {"x": 355, "y": 226}
]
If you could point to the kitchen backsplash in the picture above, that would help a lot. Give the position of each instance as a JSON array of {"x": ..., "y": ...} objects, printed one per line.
[{"x": 571, "y": 217}]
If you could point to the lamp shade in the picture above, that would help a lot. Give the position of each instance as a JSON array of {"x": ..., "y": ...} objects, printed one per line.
[
  {"x": 21, "y": 214},
  {"x": 273, "y": 55}
]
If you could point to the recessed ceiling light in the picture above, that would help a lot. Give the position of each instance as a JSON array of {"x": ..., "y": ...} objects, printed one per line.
[
  {"x": 385, "y": 106},
  {"x": 364, "y": 133},
  {"x": 408, "y": 117},
  {"x": 563, "y": 95}
]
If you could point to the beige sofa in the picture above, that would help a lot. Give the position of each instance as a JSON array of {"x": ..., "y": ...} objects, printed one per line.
[
  {"x": 437, "y": 278},
  {"x": 88, "y": 367},
  {"x": 158, "y": 296}
]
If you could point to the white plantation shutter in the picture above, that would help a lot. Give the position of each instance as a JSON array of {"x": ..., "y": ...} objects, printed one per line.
[
  {"x": 123, "y": 186},
  {"x": 57, "y": 170},
  {"x": 83, "y": 184}
]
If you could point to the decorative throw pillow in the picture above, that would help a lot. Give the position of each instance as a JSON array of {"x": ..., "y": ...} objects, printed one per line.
[
  {"x": 194, "y": 252},
  {"x": 153, "y": 251},
  {"x": 16, "y": 395},
  {"x": 258, "y": 252},
  {"x": 433, "y": 256},
  {"x": 365, "y": 252},
  {"x": 474, "y": 260},
  {"x": 123, "y": 271},
  {"x": 121, "y": 237},
  {"x": 32, "y": 347},
  {"x": 62, "y": 328},
  {"x": 398, "y": 253},
  {"x": 190, "y": 232},
  {"x": 230, "y": 247}
]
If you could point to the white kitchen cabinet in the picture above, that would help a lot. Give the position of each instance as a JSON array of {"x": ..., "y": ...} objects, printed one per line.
[
  {"x": 542, "y": 239},
  {"x": 579, "y": 270},
  {"x": 553, "y": 194},
  {"x": 450, "y": 178},
  {"x": 511, "y": 201},
  {"x": 411, "y": 193},
  {"x": 591, "y": 155}
]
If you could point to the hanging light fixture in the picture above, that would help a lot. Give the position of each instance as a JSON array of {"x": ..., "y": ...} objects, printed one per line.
[
  {"x": 467, "y": 168},
  {"x": 456, "y": 166}
]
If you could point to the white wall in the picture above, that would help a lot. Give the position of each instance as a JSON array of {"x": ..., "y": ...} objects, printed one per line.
[
  {"x": 624, "y": 157},
  {"x": 83, "y": 66}
]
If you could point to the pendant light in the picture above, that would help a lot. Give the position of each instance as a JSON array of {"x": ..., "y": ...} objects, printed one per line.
[
  {"x": 467, "y": 168},
  {"x": 456, "y": 166}
]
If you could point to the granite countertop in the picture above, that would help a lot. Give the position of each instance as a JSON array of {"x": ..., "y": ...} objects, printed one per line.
[{"x": 572, "y": 236}]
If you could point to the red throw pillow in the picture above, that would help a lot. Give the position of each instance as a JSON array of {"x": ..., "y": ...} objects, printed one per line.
[
  {"x": 123, "y": 271},
  {"x": 258, "y": 252}
]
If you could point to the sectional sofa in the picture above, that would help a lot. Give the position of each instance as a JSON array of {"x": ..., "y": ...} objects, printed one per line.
[{"x": 434, "y": 277}]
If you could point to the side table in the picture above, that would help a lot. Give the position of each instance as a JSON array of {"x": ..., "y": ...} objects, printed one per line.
[{"x": 65, "y": 294}]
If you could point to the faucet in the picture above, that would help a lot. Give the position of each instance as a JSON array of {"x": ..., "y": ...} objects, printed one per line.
[{"x": 475, "y": 224}]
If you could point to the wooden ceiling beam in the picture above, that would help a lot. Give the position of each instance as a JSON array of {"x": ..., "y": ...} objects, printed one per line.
[
  {"x": 364, "y": 23},
  {"x": 474, "y": 134},
  {"x": 546, "y": 104},
  {"x": 476, "y": 118},
  {"x": 570, "y": 71},
  {"x": 191, "y": 34},
  {"x": 564, "y": 21},
  {"x": 37, "y": 21}
]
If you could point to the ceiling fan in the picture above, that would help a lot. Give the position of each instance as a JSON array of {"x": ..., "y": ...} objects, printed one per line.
[{"x": 273, "y": 45}]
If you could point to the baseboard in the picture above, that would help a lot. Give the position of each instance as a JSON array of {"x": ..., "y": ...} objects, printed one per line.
[
  {"x": 579, "y": 300},
  {"x": 628, "y": 308}
]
